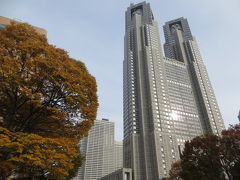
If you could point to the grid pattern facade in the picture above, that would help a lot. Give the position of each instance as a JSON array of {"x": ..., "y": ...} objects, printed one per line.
[
  {"x": 183, "y": 111},
  {"x": 166, "y": 101},
  {"x": 180, "y": 41},
  {"x": 118, "y": 155},
  {"x": 102, "y": 154}
]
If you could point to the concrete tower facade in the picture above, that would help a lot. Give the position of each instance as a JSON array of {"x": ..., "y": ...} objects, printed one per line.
[
  {"x": 167, "y": 100},
  {"x": 182, "y": 46}
]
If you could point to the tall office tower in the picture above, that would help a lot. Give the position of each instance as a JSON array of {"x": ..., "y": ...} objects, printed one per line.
[
  {"x": 101, "y": 152},
  {"x": 182, "y": 46},
  {"x": 166, "y": 100}
]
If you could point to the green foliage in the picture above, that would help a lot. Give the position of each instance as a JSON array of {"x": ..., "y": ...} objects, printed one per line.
[
  {"x": 175, "y": 172},
  {"x": 210, "y": 157},
  {"x": 200, "y": 158}
]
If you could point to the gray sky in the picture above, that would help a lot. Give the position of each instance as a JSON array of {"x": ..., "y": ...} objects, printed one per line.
[{"x": 92, "y": 31}]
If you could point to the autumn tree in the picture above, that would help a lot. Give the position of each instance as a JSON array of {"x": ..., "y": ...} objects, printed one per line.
[
  {"x": 210, "y": 157},
  {"x": 42, "y": 89},
  {"x": 43, "y": 94},
  {"x": 31, "y": 155}
]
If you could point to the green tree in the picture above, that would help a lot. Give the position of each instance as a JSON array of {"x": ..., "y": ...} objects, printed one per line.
[
  {"x": 210, "y": 157},
  {"x": 200, "y": 159},
  {"x": 45, "y": 97},
  {"x": 230, "y": 152},
  {"x": 176, "y": 170}
]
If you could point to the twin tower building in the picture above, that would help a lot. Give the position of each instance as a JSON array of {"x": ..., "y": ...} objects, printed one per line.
[{"x": 167, "y": 100}]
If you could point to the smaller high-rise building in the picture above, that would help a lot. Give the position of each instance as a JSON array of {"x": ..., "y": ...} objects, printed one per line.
[
  {"x": 4, "y": 21},
  {"x": 103, "y": 155}
]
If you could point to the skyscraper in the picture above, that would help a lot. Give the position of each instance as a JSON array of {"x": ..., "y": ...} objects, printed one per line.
[
  {"x": 102, "y": 154},
  {"x": 167, "y": 100}
]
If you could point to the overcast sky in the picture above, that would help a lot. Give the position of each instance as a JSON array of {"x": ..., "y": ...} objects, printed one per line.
[{"x": 92, "y": 31}]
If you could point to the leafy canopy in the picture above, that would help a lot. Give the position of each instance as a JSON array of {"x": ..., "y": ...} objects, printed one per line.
[
  {"x": 31, "y": 155},
  {"x": 42, "y": 89},
  {"x": 48, "y": 101},
  {"x": 210, "y": 157}
]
